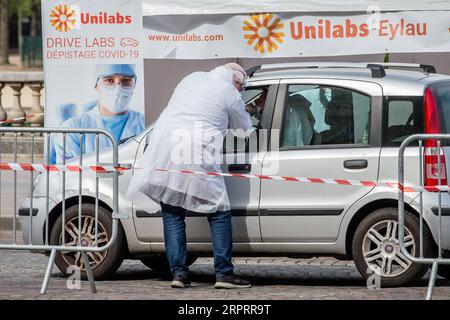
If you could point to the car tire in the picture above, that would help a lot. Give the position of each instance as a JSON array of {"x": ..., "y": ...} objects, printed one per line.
[
  {"x": 376, "y": 251},
  {"x": 103, "y": 264},
  {"x": 160, "y": 264}
]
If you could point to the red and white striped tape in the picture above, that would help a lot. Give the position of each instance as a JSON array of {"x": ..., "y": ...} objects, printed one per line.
[
  {"x": 11, "y": 121},
  {"x": 108, "y": 169},
  {"x": 343, "y": 182},
  {"x": 58, "y": 168}
]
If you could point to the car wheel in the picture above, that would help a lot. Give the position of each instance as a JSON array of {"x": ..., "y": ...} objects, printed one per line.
[
  {"x": 376, "y": 248},
  {"x": 160, "y": 264},
  {"x": 103, "y": 264}
]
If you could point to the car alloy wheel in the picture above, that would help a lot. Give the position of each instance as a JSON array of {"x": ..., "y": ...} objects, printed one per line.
[
  {"x": 88, "y": 239},
  {"x": 381, "y": 249}
]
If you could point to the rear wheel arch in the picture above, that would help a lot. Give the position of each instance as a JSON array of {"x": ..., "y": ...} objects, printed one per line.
[{"x": 365, "y": 211}]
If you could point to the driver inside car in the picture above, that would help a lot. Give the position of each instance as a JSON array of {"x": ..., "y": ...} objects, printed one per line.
[{"x": 256, "y": 107}]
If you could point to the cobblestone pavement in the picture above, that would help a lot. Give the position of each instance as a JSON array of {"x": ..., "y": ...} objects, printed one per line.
[{"x": 21, "y": 275}]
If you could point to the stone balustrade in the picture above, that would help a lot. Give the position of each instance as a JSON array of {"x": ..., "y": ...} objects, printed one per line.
[{"x": 15, "y": 82}]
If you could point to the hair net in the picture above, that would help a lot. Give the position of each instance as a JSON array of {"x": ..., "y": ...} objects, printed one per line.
[
  {"x": 239, "y": 73},
  {"x": 105, "y": 70}
]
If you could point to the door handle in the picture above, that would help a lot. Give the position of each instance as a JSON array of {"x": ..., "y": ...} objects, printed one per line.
[
  {"x": 240, "y": 168},
  {"x": 356, "y": 164}
]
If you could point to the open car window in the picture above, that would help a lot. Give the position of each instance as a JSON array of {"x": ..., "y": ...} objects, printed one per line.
[{"x": 256, "y": 98}]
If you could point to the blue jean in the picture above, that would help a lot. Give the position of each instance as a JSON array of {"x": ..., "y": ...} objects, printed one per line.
[{"x": 175, "y": 240}]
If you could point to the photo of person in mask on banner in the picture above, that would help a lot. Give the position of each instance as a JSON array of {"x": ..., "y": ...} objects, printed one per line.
[{"x": 115, "y": 85}]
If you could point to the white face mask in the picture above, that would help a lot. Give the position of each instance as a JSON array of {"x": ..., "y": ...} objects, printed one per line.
[{"x": 116, "y": 100}]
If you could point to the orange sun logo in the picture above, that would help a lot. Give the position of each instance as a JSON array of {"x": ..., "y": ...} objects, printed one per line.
[
  {"x": 264, "y": 29},
  {"x": 63, "y": 18}
]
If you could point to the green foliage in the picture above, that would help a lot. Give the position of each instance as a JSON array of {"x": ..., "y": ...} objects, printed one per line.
[{"x": 25, "y": 8}]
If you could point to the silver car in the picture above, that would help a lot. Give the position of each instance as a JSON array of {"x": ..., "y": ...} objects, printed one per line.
[{"x": 328, "y": 121}]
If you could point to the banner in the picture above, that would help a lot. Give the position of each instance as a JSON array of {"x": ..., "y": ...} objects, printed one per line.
[
  {"x": 169, "y": 7},
  {"x": 271, "y": 35},
  {"x": 93, "y": 71}
]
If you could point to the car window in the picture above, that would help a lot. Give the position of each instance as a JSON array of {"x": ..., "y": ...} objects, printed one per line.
[
  {"x": 255, "y": 99},
  {"x": 404, "y": 117},
  {"x": 323, "y": 115}
]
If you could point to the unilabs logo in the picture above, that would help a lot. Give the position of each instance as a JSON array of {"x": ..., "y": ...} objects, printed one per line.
[
  {"x": 264, "y": 32},
  {"x": 65, "y": 18}
]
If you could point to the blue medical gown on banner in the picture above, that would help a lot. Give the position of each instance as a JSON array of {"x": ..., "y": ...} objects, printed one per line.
[{"x": 121, "y": 127}]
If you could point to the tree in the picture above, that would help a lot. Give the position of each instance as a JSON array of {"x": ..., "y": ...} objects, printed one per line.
[
  {"x": 35, "y": 13},
  {"x": 19, "y": 25},
  {"x": 4, "y": 31}
]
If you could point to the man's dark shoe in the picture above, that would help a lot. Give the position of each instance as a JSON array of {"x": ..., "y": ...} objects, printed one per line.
[
  {"x": 231, "y": 282},
  {"x": 180, "y": 283}
]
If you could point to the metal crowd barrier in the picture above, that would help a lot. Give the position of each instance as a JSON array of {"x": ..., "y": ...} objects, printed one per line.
[
  {"x": 437, "y": 145},
  {"x": 63, "y": 247}
]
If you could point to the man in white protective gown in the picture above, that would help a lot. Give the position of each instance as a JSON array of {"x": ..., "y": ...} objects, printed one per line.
[{"x": 189, "y": 135}]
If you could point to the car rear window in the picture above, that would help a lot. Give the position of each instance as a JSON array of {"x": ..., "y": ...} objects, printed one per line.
[
  {"x": 403, "y": 116},
  {"x": 442, "y": 94}
]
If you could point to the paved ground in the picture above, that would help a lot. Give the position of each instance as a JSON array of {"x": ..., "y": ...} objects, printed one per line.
[{"x": 21, "y": 274}]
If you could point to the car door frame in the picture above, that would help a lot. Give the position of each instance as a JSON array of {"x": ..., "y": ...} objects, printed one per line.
[
  {"x": 364, "y": 87},
  {"x": 375, "y": 138},
  {"x": 265, "y": 124}
]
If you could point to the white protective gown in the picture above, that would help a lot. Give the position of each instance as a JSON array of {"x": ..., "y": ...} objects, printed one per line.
[{"x": 189, "y": 136}]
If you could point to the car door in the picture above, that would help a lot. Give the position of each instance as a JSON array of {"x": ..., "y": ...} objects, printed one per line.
[
  {"x": 324, "y": 131},
  {"x": 243, "y": 193},
  {"x": 245, "y": 156}
]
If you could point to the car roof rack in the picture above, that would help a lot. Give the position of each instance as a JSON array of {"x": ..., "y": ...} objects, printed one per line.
[
  {"x": 377, "y": 68},
  {"x": 425, "y": 67}
]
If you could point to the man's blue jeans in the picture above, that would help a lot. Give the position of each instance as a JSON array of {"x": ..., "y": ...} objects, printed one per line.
[{"x": 175, "y": 240}]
